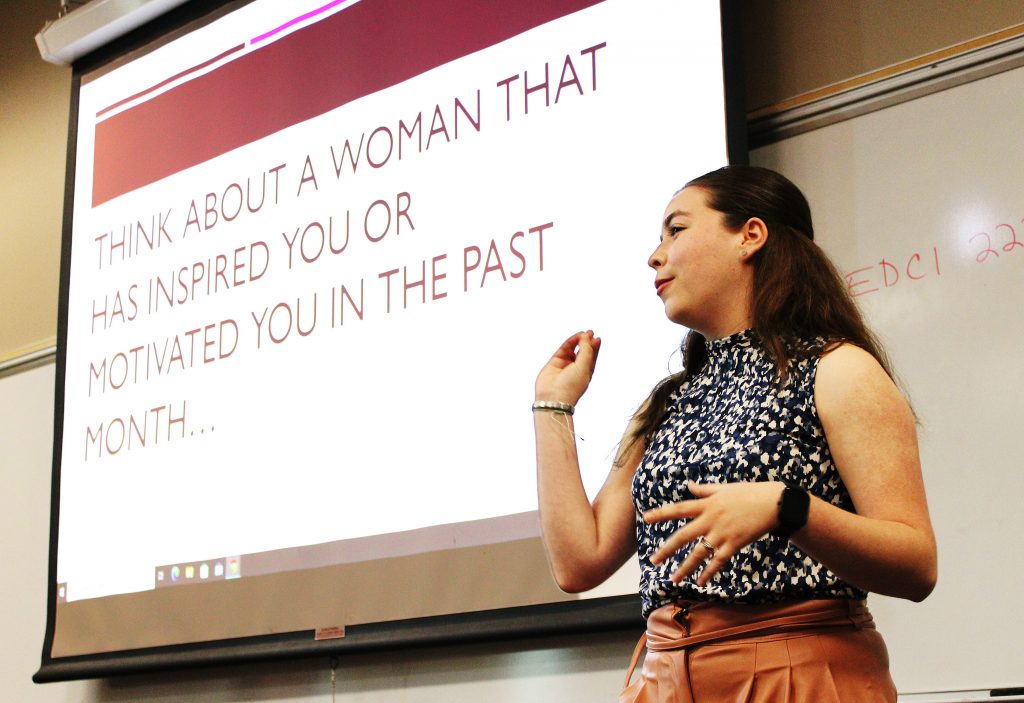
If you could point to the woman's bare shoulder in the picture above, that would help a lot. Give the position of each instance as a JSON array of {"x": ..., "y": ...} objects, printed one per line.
[{"x": 851, "y": 382}]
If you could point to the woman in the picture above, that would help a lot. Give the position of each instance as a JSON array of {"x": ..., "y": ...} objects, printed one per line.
[{"x": 768, "y": 486}]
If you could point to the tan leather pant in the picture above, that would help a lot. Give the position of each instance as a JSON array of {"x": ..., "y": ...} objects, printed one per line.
[{"x": 818, "y": 651}]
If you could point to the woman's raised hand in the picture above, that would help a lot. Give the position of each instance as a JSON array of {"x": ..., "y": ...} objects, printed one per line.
[{"x": 568, "y": 372}]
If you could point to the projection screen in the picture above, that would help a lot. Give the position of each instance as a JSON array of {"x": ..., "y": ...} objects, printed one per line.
[{"x": 314, "y": 255}]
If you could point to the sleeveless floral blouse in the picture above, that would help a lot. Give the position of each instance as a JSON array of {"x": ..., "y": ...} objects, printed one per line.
[{"x": 732, "y": 422}]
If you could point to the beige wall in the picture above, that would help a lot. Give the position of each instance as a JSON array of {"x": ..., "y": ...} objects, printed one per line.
[
  {"x": 791, "y": 46},
  {"x": 796, "y": 46},
  {"x": 34, "y": 101}
]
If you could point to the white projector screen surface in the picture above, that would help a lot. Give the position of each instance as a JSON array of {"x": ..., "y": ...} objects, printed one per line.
[{"x": 318, "y": 253}]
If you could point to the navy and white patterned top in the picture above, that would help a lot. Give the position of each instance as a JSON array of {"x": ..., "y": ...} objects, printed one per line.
[{"x": 731, "y": 422}]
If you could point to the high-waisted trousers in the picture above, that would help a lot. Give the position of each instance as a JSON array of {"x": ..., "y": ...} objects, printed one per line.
[{"x": 816, "y": 651}]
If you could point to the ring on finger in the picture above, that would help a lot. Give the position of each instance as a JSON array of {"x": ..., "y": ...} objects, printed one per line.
[{"x": 708, "y": 546}]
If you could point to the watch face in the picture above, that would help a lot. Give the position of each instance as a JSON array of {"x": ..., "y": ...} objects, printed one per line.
[{"x": 793, "y": 509}]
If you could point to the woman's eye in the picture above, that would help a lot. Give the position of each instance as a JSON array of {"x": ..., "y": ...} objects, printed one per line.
[{"x": 671, "y": 231}]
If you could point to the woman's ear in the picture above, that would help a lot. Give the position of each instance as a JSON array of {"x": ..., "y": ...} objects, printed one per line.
[{"x": 754, "y": 234}]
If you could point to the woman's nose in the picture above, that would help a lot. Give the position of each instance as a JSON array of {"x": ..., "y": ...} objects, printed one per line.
[{"x": 657, "y": 257}]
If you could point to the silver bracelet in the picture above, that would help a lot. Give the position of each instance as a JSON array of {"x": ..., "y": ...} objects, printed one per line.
[{"x": 553, "y": 406}]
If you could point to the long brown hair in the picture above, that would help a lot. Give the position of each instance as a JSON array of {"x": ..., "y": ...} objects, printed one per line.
[{"x": 798, "y": 293}]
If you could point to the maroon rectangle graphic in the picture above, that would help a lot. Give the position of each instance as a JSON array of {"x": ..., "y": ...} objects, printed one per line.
[{"x": 369, "y": 46}]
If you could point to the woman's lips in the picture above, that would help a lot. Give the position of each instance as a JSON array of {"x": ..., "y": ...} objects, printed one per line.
[{"x": 661, "y": 283}]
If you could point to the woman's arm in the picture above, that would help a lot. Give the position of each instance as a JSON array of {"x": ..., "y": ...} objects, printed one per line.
[
  {"x": 887, "y": 546},
  {"x": 585, "y": 542}
]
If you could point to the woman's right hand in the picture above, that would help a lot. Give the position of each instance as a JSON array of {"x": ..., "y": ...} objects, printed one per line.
[
  {"x": 568, "y": 372},
  {"x": 586, "y": 541}
]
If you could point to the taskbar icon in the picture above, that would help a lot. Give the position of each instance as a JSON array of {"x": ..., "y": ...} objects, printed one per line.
[{"x": 191, "y": 572}]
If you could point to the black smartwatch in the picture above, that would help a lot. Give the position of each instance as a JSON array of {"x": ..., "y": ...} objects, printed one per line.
[{"x": 793, "y": 506}]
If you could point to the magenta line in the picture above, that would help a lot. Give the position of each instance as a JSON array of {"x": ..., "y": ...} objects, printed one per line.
[{"x": 300, "y": 18}]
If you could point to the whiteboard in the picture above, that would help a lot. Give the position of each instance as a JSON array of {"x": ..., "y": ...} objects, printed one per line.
[{"x": 921, "y": 205}]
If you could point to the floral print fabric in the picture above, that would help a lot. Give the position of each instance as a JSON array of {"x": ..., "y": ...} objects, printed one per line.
[{"x": 735, "y": 421}]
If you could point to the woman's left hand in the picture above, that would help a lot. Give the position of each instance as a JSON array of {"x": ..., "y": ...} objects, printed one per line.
[{"x": 728, "y": 516}]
